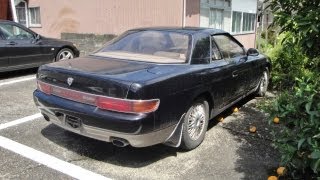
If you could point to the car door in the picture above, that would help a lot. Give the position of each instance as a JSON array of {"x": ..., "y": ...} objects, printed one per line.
[
  {"x": 20, "y": 45},
  {"x": 257, "y": 68},
  {"x": 214, "y": 71},
  {"x": 223, "y": 88},
  {"x": 241, "y": 71},
  {"x": 4, "y": 60}
]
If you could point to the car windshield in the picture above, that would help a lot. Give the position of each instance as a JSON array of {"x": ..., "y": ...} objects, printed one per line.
[{"x": 149, "y": 46}]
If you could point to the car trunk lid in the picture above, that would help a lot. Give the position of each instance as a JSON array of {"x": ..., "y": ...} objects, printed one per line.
[{"x": 91, "y": 75}]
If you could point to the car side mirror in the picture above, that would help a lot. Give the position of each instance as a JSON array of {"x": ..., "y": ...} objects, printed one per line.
[
  {"x": 252, "y": 52},
  {"x": 38, "y": 37}
]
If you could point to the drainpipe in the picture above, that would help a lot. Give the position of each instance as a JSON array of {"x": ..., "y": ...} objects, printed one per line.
[
  {"x": 255, "y": 45},
  {"x": 13, "y": 10},
  {"x": 184, "y": 14}
]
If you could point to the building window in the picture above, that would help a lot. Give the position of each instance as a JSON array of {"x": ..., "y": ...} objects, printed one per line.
[
  {"x": 243, "y": 22},
  {"x": 216, "y": 18},
  {"x": 34, "y": 17},
  {"x": 248, "y": 22},
  {"x": 236, "y": 21},
  {"x": 21, "y": 9},
  {"x": 227, "y": 3},
  {"x": 215, "y": 14}
]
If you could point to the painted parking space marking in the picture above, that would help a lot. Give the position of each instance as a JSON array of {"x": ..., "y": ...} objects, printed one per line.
[
  {"x": 49, "y": 161},
  {"x": 17, "y": 80},
  {"x": 19, "y": 121}
]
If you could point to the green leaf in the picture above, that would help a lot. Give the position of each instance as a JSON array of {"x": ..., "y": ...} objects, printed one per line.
[
  {"x": 300, "y": 142},
  {"x": 315, "y": 166},
  {"x": 314, "y": 28},
  {"x": 316, "y": 136},
  {"x": 309, "y": 44},
  {"x": 308, "y": 106},
  {"x": 309, "y": 141},
  {"x": 315, "y": 155}
]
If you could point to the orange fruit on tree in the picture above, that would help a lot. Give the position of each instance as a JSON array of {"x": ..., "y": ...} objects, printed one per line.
[
  {"x": 276, "y": 120},
  {"x": 235, "y": 109},
  {"x": 253, "y": 129},
  {"x": 221, "y": 119},
  {"x": 272, "y": 178},
  {"x": 281, "y": 171}
]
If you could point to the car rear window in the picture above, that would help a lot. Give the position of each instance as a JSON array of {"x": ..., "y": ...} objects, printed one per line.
[{"x": 149, "y": 46}]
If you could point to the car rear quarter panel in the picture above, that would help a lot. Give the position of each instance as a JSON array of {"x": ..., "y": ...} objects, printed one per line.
[{"x": 176, "y": 91}]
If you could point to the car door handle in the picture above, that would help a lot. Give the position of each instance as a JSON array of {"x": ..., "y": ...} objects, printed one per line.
[
  {"x": 235, "y": 74},
  {"x": 11, "y": 43}
]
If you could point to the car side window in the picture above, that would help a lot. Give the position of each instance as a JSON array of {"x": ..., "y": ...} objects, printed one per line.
[
  {"x": 228, "y": 47},
  {"x": 216, "y": 55},
  {"x": 1, "y": 35},
  {"x": 12, "y": 32},
  {"x": 201, "y": 51}
]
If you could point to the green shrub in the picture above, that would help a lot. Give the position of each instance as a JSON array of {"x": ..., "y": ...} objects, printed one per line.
[
  {"x": 288, "y": 62},
  {"x": 299, "y": 138},
  {"x": 296, "y": 59},
  {"x": 270, "y": 34}
]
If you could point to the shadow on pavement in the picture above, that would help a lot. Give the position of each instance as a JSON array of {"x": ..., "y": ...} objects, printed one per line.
[
  {"x": 18, "y": 73},
  {"x": 107, "y": 152},
  {"x": 257, "y": 158}
]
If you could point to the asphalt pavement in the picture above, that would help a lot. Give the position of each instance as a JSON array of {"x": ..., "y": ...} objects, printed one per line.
[{"x": 32, "y": 148}]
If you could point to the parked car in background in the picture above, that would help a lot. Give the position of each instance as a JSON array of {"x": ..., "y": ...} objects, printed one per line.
[
  {"x": 151, "y": 86},
  {"x": 21, "y": 48}
]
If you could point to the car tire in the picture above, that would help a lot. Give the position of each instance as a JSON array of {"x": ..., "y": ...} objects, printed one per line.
[
  {"x": 64, "y": 54},
  {"x": 263, "y": 85},
  {"x": 195, "y": 124}
]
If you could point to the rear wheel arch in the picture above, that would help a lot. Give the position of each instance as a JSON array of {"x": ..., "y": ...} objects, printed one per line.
[{"x": 207, "y": 96}]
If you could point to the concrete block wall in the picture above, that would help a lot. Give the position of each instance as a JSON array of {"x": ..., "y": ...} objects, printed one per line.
[{"x": 87, "y": 43}]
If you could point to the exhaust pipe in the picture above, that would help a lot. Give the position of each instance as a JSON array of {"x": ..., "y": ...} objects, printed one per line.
[{"x": 119, "y": 142}]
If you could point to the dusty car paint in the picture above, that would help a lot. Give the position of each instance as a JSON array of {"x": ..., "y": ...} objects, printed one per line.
[{"x": 221, "y": 82}]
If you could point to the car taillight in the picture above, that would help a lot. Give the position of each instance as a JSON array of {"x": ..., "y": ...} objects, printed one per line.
[
  {"x": 44, "y": 87},
  {"x": 126, "y": 105},
  {"x": 102, "y": 102},
  {"x": 74, "y": 95}
]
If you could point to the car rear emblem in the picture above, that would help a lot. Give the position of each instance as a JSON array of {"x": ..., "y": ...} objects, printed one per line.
[{"x": 70, "y": 81}]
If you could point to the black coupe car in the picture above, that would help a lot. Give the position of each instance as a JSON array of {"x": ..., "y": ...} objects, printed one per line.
[
  {"x": 21, "y": 48},
  {"x": 151, "y": 86}
]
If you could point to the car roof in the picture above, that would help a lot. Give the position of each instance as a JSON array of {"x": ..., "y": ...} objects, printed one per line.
[{"x": 185, "y": 30}]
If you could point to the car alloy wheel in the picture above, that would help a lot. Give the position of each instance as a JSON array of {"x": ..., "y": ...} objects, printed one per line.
[
  {"x": 65, "y": 54},
  {"x": 195, "y": 124},
  {"x": 196, "y": 121}
]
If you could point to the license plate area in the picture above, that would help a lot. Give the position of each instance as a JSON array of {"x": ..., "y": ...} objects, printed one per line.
[{"x": 73, "y": 122}]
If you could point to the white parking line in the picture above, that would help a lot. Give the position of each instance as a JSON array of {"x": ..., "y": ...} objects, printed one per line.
[
  {"x": 19, "y": 121},
  {"x": 49, "y": 161},
  {"x": 17, "y": 80}
]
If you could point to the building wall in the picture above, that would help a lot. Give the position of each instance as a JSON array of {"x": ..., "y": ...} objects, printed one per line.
[
  {"x": 117, "y": 16},
  {"x": 250, "y": 6},
  {"x": 192, "y": 13},
  {"x": 4, "y": 9},
  {"x": 105, "y": 16},
  {"x": 248, "y": 40}
]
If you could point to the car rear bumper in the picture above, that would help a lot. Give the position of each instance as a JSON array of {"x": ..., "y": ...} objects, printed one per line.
[
  {"x": 135, "y": 129},
  {"x": 135, "y": 140}
]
